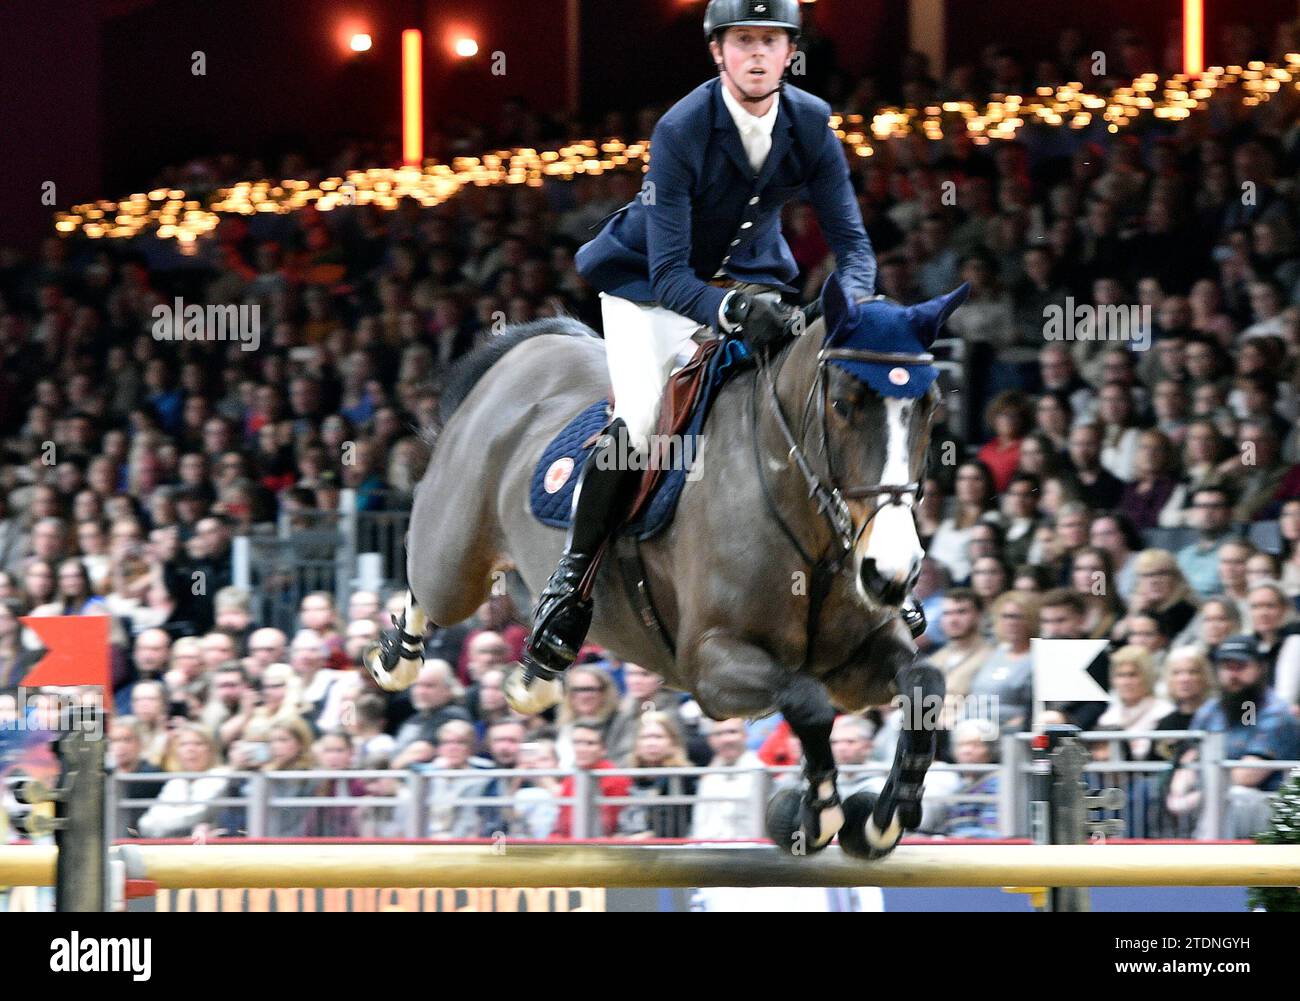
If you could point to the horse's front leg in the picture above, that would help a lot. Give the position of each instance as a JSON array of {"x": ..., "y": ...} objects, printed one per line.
[
  {"x": 740, "y": 679},
  {"x": 805, "y": 822},
  {"x": 874, "y": 824}
]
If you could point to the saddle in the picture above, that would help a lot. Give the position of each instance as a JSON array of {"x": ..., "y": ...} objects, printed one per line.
[
  {"x": 684, "y": 392},
  {"x": 684, "y": 407},
  {"x": 686, "y": 401},
  {"x": 680, "y": 398}
]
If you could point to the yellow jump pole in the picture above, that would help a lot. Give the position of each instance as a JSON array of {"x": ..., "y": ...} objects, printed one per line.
[{"x": 534, "y": 865}]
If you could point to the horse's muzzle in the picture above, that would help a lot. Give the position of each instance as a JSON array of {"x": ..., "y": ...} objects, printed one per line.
[{"x": 886, "y": 590}]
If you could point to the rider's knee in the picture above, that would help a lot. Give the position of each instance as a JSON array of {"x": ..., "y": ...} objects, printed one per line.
[{"x": 639, "y": 429}]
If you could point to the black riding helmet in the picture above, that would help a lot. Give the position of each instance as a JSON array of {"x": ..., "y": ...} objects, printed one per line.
[{"x": 724, "y": 14}]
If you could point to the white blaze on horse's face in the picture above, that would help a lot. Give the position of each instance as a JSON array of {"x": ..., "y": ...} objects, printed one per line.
[{"x": 891, "y": 542}]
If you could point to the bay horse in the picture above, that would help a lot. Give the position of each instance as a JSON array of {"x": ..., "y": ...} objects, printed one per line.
[{"x": 778, "y": 580}]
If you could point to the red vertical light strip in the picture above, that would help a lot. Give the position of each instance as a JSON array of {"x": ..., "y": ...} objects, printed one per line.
[
  {"x": 1193, "y": 36},
  {"x": 412, "y": 99}
]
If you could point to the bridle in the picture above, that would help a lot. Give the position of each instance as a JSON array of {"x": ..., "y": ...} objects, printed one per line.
[{"x": 829, "y": 496}]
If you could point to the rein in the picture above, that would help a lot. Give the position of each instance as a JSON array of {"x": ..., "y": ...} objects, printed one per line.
[{"x": 831, "y": 499}]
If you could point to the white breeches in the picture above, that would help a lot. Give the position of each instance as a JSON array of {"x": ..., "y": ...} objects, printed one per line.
[{"x": 645, "y": 345}]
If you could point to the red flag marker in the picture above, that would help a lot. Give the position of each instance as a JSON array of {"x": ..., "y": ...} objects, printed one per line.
[{"x": 76, "y": 651}]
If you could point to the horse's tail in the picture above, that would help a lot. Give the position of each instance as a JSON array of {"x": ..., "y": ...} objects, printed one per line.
[{"x": 466, "y": 373}]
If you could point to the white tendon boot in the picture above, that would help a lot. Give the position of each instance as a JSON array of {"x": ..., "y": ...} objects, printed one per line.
[{"x": 395, "y": 661}]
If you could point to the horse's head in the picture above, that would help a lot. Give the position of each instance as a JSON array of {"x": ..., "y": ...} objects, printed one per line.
[{"x": 875, "y": 394}]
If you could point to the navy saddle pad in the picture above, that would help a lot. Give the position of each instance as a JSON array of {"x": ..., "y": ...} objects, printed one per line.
[{"x": 550, "y": 496}]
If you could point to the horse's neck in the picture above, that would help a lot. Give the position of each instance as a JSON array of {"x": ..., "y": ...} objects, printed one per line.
[
  {"x": 794, "y": 370},
  {"x": 797, "y": 366},
  {"x": 843, "y": 624}
]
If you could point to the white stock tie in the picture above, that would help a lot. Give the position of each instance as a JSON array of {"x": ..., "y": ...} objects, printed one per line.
[{"x": 758, "y": 143}]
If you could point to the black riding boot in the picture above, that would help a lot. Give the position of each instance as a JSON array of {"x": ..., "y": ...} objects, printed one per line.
[{"x": 561, "y": 618}]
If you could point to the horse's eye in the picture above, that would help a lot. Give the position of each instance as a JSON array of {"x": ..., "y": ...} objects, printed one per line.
[{"x": 842, "y": 406}]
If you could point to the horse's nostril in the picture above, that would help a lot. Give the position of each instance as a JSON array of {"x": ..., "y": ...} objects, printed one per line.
[{"x": 889, "y": 592}]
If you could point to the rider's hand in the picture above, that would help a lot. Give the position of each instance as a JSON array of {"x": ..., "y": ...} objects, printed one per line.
[{"x": 760, "y": 318}]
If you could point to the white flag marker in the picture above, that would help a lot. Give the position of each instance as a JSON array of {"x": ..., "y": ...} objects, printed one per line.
[{"x": 1061, "y": 670}]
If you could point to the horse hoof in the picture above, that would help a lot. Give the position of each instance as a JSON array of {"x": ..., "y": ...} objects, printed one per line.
[
  {"x": 783, "y": 817},
  {"x": 855, "y": 835},
  {"x": 532, "y": 696},
  {"x": 788, "y": 824},
  {"x": 881, "y": 842},
  {"x": 396, "y": 677}
]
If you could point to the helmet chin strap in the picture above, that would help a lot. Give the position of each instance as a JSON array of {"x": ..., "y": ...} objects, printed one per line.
[{"x": 744, "y": 98}]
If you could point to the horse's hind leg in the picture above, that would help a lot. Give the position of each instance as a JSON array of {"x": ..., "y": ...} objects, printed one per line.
[
  {"x": 449, "y": 576},
  {"x": 397, "y": 658},
  {"x": 873, "y": 825},
  {"x": 395, "y": 661}
]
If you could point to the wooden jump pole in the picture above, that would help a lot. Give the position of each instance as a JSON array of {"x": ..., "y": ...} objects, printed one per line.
[{"x": 534, "y": 865}]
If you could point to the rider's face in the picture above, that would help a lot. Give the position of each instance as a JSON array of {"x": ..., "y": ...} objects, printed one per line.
[{"x": 754, "y": 58}]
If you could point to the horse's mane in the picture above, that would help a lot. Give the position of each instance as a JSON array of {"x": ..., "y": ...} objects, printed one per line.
[{"x": 465, "y": 374}]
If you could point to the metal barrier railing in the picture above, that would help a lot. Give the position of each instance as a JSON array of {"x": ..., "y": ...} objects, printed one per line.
[
  {"x": 420, "y": 800},
  {"x": 279, "y": 571},
  {"x": 1219, "y": 809},
  {"x": 432, "y": 802},
  {"x": 334, "y": 551},
  {"x": 383, "y": 534},
  {"x": 1140, "y": 782},
  {"x": 338, "y": 550},
  {"x": 425, "y": 802}
]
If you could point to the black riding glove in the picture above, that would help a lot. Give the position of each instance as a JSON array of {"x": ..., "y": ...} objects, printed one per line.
[{"x": 759, "y": 318}]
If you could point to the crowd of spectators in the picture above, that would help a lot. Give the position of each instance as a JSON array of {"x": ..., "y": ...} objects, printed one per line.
[{"x": 1077, "y": 488}]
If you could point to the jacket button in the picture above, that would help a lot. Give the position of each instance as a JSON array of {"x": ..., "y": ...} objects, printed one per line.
[
  {"x": 754, "y": 200},
  {"x": 746, "y": 225},
  {"x": 735, "y": 243},
  {"x": 726, "y": 260}
]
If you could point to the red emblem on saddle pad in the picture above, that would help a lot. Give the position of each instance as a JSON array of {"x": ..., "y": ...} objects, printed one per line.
[
  {"x": 899, "y": 376},
  {"x": 558, "y": 474}
]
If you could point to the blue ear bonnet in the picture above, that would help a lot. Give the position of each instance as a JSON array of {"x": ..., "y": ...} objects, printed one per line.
[{"x": 885, "y": 327}]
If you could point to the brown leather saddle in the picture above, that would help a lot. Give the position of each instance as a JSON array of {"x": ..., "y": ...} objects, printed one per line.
[{"x": 677, "y": 405}]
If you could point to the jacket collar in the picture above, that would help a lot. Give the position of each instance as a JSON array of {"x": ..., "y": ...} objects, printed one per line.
[{"x": 735, "y": 149}]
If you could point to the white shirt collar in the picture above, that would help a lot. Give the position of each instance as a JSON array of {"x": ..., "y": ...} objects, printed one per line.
[{"x": 744, "y": 119}]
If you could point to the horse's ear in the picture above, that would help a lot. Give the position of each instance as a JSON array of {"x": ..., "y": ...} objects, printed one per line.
[
  {"x": 929, "y": 317},
  {"x": 837, "y": 308}
]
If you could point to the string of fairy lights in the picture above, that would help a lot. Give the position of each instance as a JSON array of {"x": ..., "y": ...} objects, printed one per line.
[{"x": 170, "y": 215}]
